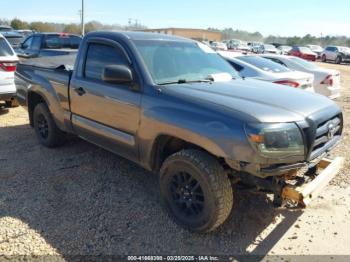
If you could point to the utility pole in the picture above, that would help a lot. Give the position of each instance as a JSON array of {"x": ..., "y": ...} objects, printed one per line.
[{"x": 82, "y": 18}]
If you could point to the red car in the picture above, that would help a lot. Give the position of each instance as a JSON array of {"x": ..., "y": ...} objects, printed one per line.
[{"x": 303, "y": 52}]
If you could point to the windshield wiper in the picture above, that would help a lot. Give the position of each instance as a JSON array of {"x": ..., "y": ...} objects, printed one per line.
[{"x": 184, "y": 81}]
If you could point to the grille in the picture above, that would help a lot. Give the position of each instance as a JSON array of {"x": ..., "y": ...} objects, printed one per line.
[{"x": 327, "y": 135}]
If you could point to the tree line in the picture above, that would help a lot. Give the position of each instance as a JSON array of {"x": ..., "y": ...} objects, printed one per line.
[{"x": 72, "y": 28}]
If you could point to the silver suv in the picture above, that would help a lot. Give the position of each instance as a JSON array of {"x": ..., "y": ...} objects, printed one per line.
[{"x": 337, "y": 54}]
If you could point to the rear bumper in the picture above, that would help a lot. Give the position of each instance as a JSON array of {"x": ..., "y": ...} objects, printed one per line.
[
  {"x": 309, "y": 58},
  {"x": 333, "y": 92},
  {"x": 7, "y": 96}
]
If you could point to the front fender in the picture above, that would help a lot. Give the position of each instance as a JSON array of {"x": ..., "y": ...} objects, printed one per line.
[{"x": 221, "y": 137}]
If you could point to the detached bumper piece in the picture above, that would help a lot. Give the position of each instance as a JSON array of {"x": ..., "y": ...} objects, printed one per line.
[{"x": 303, "y": 195}]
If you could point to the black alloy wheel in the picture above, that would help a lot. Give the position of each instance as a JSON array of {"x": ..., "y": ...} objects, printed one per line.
[{"x": 187, "y": 194}]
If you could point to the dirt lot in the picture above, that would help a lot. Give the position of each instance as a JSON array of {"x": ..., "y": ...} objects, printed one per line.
[{"x": 82, "y": 200}]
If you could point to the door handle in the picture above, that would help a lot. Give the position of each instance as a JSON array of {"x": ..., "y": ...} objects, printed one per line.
[{"x": 80, "y": 91}]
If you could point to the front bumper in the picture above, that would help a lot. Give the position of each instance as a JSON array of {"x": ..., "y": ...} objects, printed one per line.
[
  {"x": 264, "y": 171},
  {"x": 303, "y": 195}
]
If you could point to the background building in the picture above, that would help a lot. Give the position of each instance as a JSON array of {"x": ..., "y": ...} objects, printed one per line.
[{"x": 196, "y": 34}]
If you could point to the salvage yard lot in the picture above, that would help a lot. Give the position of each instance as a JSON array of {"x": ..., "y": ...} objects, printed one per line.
[{"x": 80, "y": 199}]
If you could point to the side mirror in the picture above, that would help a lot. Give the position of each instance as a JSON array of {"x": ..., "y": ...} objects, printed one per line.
[{"x": 117, "y": 74}]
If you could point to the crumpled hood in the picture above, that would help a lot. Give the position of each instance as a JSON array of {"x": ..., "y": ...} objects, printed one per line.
[{"x": 261, "y": 101}]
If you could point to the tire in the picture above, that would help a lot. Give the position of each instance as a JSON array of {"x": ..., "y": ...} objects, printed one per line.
[
  {"x": 324, "y": 59},
  {"x": 45, "y": 127},
  {"x": 12, "y": 103},
  {"x": 338, "y": 60},
  {"x": 205, "y": 201}
]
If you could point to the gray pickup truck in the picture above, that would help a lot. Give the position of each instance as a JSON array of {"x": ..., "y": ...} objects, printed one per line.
[{"x": 177, "y": 108}]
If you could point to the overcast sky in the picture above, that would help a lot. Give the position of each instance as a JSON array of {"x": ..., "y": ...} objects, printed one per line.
[{"x": 279, "y": 17}]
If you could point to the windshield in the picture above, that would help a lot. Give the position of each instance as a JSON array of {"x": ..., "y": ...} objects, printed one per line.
[
  {"x": 344, "y": 49},
  {"x": 171, "y": 61},
  {"x": 264, "y": 64},
  {"x": 304, "y": 63}
]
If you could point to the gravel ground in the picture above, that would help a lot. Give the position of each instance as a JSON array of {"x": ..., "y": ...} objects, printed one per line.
[{"x": 81, "y": 200}]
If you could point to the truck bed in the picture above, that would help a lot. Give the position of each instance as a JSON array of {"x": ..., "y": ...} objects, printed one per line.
[
  {"x": 52, "y": 72},
  {"x": 64, "y": 62}
]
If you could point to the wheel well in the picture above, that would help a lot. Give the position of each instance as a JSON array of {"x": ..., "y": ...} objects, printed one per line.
[
  {"x": 165, "y": 146},
  {"x": 33, "y": 100}
]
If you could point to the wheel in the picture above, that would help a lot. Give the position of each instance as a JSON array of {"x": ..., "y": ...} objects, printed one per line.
[
  {"x": 45, "y": 127},
  {"x": 324, "y": 59},
  {"x": 195, "y": 190},
  {"x": 12, "y": 103},
  {"x": 338, "y": 60}
]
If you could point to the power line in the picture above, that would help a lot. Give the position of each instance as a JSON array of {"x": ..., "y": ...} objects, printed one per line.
[{"x": 82, "y": 18}]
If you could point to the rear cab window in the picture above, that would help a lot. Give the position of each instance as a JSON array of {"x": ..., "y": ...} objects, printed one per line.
[
  {"x": 99, "y": 56},
  {"x": 5, "y": 49},
  {"x": 62, "y": 41}
]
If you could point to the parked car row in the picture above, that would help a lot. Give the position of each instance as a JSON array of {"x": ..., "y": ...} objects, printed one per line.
[
  {"x": 337, "y": 54},
  {"x": 48, "y": 44},
  {"x": 35, "y": 45},
  {"x": 326, "y": 81},
  {"x": 28, "y": 44},
  {"x": 287, "y": 70},
  {"x": 256, "y": 67}
]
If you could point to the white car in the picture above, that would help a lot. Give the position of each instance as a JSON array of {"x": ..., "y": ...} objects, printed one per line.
[
  {"x": 284, "y": 49},
  {"x": 254, "y": 46},
  {"x": 238, "y": 45},
  {"x": 326, "y": 81},
  {"x": 316, "y": 49},
  {"x": 269, "y": 49},
  {"x": 253, "y": 66},
  {"x": 8, "y": 62},
  {"x": 218, "y": 46}
]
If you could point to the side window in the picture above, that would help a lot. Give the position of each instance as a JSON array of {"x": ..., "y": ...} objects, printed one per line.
[
  {"x": 36, "y": 43},
  {"x": 52, "y": 42},
  {"x": 248, "y": 72},
  {"x": 237, "y": 67},
  {"x": 74, "y": 42},
  {"x": 99, "y": 56},
  {"x": 335, "y": 49},
  {"x": 28, "y": 43},
  {"x": 276, "y": 61}
]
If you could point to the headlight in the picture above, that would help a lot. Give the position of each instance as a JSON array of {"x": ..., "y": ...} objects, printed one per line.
[{"x": 276, "y": 140}]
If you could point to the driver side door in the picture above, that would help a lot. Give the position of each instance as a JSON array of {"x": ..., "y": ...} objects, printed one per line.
[{"x": 103, "y": 113}]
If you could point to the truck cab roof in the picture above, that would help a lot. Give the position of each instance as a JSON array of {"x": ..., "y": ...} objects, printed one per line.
[{"x": 134, "y": 35}]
